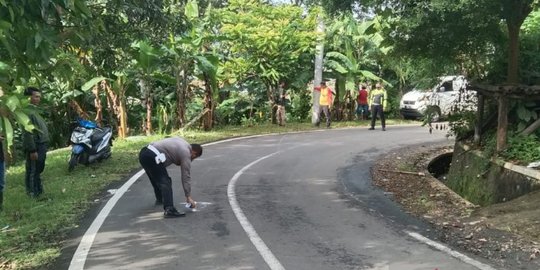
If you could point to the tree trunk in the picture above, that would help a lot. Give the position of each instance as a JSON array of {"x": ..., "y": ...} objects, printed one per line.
[
  {"x": 208, "y": 119},
  {"x": 117, "y": 104},
  {"x": 271, "y": 93},
  {"x": 181, "y": 90},
  {"x": 77, "y": 108},
  {"x": 502, "y": 127},
  {"x": 148, "y": 102},
  {"x": 204, "y": 112},
  {"x": 513, "y": 54},
  {"x": 532, "y": 128},
  {"x": 515, "y": 11}
]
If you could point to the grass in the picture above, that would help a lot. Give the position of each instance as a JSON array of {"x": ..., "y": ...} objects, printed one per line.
[
  {"x": 32, "y": 230},
  {"x": 405, "y": 166}
]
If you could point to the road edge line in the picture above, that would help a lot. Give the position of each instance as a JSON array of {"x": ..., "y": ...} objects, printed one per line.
[
  {"x": 462, "y": 257},
  {"x": 79, "y": 258}
]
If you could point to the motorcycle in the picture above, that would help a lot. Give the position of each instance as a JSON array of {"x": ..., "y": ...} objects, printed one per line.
[{"x": 90, "y": 143}]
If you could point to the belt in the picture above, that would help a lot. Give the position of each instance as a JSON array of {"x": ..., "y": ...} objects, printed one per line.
[{"x": 160, "y": 157}]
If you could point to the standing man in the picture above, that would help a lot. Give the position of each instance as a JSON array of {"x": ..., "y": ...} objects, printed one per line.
[
  {"x": 325, "y": 103},
  {"x": 377, "y": 101},
  {"x": 155, "y": 158},
  {"x": 281, "y": 102},
  {"x": 280, "y": 113},
  {"x": 35, "y": 145},
  {"x": 362, "y": 103}
]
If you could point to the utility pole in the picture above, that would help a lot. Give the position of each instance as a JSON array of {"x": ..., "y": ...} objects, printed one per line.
[{"x": 319, "y": 54}]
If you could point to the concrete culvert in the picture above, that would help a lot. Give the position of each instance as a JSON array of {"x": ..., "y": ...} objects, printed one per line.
[{"x": 440, "y": 166}]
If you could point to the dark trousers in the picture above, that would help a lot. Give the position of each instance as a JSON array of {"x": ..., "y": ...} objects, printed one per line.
[
  {"x": 377, "y": 110},
  {"x": 326, "y": 110},
  {"x": 34, "y": 168},
  {"x": 159, "y": 177},
  {"x": 362, "y": 110}
]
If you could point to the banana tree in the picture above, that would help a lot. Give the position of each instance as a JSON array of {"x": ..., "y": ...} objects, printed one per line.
[
  {"x": 191, "y": 56},
  {"x": 146, "y": 63},
  {"x": 353, "y": 56},
  {"x": 348, "y": 73}
]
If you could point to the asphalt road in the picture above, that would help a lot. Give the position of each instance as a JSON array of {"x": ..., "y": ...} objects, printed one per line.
[{"x": 290, "y": 201}]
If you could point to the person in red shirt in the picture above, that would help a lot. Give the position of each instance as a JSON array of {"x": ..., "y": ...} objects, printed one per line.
[{"x": 362, "y": 108}]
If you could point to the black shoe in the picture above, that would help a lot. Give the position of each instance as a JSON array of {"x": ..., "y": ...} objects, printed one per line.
[
  {"x": 173, "y": 213},
  {"x": 371, "y": 128}
]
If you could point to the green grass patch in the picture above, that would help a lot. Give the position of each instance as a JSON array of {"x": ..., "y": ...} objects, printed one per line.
[{"x": 31, "y": 230}]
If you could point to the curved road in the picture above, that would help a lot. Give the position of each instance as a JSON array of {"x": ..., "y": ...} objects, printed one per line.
[{"x": 290, "y": 201}]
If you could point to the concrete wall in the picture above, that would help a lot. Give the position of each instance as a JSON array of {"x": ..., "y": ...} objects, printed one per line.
[{"x": 484, "y": 182}]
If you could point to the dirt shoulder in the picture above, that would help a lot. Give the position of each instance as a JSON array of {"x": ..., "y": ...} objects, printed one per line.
[{"x": 505, "y": 234}]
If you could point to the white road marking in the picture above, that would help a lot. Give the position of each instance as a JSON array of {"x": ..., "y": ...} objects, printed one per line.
[
  {"x": 462, "y": 257},
  {"x": 79, "y": 258},
  {"x": 259, "y": 244}
]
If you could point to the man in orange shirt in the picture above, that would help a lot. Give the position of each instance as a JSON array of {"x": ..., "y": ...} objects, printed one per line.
[{"x": 325, "y": 103}]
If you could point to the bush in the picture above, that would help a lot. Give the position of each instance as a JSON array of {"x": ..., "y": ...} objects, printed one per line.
[{"x": 523, "y": 149}]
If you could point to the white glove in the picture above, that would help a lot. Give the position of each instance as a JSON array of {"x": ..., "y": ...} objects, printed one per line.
[{"x": 160, "y": 158}]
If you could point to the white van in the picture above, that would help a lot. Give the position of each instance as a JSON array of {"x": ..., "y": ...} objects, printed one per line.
[{"x": 443, "y": 99}]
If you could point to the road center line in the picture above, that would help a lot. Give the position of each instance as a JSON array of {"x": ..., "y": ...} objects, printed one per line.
[
  {"x": 259, "y": 244},
  {"x": 462, "y": 257}
]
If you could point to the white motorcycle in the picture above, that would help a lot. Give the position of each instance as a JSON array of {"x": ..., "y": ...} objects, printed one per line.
[{"x": 90, "y": 143}]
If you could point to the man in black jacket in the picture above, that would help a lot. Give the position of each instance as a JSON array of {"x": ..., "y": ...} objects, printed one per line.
[{"x": 35, "y": 145}]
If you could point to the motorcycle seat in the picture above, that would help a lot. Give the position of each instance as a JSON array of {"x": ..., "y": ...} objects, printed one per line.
[{"x": 99, "y": 133}]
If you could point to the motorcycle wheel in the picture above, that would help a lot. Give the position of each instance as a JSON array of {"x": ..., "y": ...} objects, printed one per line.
[{"x": 73, "y": 161}]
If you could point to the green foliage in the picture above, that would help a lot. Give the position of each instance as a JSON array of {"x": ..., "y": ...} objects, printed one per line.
[
  {"x": 449, "y": 34},
  {"x": 522, "y": 149},
  {"x": 530, "y": 49},
  {"x": 526, "y": 112},
  {"x": 265, "y": 41},
  {"x": 31, "y": 33},
  {"x": 12, "y": 113},
  {"x": 300, "y": 106},
  {"x": 353, "y": 50},
  {"x": 241, "y": 107},
  {"x": 461, "y": 123}
]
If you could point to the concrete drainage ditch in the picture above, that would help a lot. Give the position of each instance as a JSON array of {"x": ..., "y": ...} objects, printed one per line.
[{"x": 481, "y": 180}]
